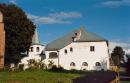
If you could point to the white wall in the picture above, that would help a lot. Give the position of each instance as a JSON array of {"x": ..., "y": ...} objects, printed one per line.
[
  {"x": 81, "y": 53},
  {"x": 34, "y": 54}
]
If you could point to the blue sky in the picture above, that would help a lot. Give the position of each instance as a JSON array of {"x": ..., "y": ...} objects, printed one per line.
[{"x": 54, "y": 18}]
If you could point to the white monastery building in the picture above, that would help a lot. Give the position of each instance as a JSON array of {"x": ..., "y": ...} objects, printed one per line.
[{"x": 79, "y": 49}]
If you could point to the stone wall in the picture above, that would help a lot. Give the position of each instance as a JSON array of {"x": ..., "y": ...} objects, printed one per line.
[{"x": 2, "y": 41}]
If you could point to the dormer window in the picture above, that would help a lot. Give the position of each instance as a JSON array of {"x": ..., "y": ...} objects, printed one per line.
[
  {"x": 76, "y": 34},
  {"x": 74, "y": 39},
  {"x": 65, "y": 51}
]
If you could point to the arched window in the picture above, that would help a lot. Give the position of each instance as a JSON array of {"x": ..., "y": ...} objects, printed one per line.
[
  {"x": 98, "y": 64},
  {"x": 72, "y": 64},
  {"x": 65, "y": 51},
  {"x": 84, "y": 64},
  {"x": 71, "y": 49},
  {"x": 53, "y": 55},
  {"x": 31, "y": 49},
  {"x": 37, "y": 49}
]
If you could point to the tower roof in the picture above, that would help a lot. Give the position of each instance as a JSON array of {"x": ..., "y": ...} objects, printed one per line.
[{"x": 35, "y": 38}]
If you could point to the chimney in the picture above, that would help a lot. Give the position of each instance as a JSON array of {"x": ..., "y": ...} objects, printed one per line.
[{"x": 77, "y": 35}]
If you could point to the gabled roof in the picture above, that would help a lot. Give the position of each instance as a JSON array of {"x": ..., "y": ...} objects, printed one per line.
[{"x": 68, "y": 39}]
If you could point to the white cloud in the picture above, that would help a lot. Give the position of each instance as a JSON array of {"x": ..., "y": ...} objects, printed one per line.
[
  {"x": 13, "y": 1},
  {"x": 55, "y": 18},
  {"x": 65, "y": 15},
  {"x": 125, "y": 46},
  {"x": 115, "y": 3}
]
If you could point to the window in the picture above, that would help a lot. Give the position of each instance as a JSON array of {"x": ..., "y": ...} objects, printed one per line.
[
  {"x": 37, "y": 49},
  {"x": 98, "y": 64},
  {"x": 53, "y": 55},
  {"x": 72, "y": 64},
  {"x": 65, "y": 51},
  {"x": 71, "y": 49},
  {"x": 92, "y": 48},
  {"x": 85, "y": 64},
  {"x": 31, "y": 49}
]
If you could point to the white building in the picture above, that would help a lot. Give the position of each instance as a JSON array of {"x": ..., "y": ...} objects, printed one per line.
[
  {"x": 35, "y": 51},
  {"x": 79, "y": 50}
]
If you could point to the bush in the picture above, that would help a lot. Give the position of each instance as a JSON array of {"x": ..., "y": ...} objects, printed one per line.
[
  {"x": 21, "y": 66},
  {"x": 55, "y": 68},
  {"x": 33, "y": 64},
  {"x": 127, "y": 65}
]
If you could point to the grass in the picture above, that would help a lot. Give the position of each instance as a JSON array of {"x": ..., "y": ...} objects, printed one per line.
[{"x": 37, "y": 76}]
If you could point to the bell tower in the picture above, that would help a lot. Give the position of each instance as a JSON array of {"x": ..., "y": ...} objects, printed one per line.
[{"x": 2, "y": 41}]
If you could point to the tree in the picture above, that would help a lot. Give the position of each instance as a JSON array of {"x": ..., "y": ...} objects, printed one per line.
[
  {"x": 19, "y": 31},
  {"x": 117, "y": 55},
  {"x": 127, "y": 65}
]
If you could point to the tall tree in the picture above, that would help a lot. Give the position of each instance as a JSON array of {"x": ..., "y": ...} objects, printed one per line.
[
  {"x": 117, "y": 55},
  {"x": 19, "y": 31}
]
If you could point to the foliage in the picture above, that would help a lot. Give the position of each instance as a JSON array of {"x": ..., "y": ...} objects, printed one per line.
[
  {"x": 19, "y": 31},
  {"x": 57, "y": 69},
  {"x": 117, "y": 55},
  {"x": 127, "y": 65},
  {"x": 51, "y": 64},
  {"x": 33, "y": 64}
]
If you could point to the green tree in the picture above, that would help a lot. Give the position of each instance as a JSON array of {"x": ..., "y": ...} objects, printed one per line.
[
  {"x": 19, "y": 31},
  {"x": 117, "y": 55}
]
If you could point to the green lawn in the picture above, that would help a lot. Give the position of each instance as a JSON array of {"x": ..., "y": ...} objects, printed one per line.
[{"x": 36, "y": 76}]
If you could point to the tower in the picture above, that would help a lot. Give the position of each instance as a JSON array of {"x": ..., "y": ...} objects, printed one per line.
[{"x": 2, "y": 41}]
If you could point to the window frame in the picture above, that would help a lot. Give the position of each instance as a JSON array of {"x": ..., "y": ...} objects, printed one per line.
[
  {"x": 72, "y": 64},
  {"x": 65, "y": 51},
  {"x": 71, "y": 49},
  {"x": 85, "y": 64},
  {"x": 31, "y": 49},
  {"x": 37, "y": 49},
  {"x": 98, "y": 64},
  {"x": 92, "y": 48},
  {"x": 54, "y": 54}
]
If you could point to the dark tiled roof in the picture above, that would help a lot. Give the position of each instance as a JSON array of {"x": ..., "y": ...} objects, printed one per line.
[{"x": 68, "y": 38}]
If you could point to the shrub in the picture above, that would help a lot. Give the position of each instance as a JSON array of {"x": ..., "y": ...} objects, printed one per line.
[
  {"x": 55, "y": 68},
  {"x": 51, "y": 64},
  {"x": 21, "y": 66},
  {"x": 33, "y": 64}
]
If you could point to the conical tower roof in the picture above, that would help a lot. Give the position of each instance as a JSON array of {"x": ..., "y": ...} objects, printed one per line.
[{"x": 35, "y": 39}]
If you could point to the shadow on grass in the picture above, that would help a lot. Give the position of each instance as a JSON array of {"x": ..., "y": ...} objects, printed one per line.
[
  {"x": 97, "y": 77},
  {"x": 124, "y": 76}
]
